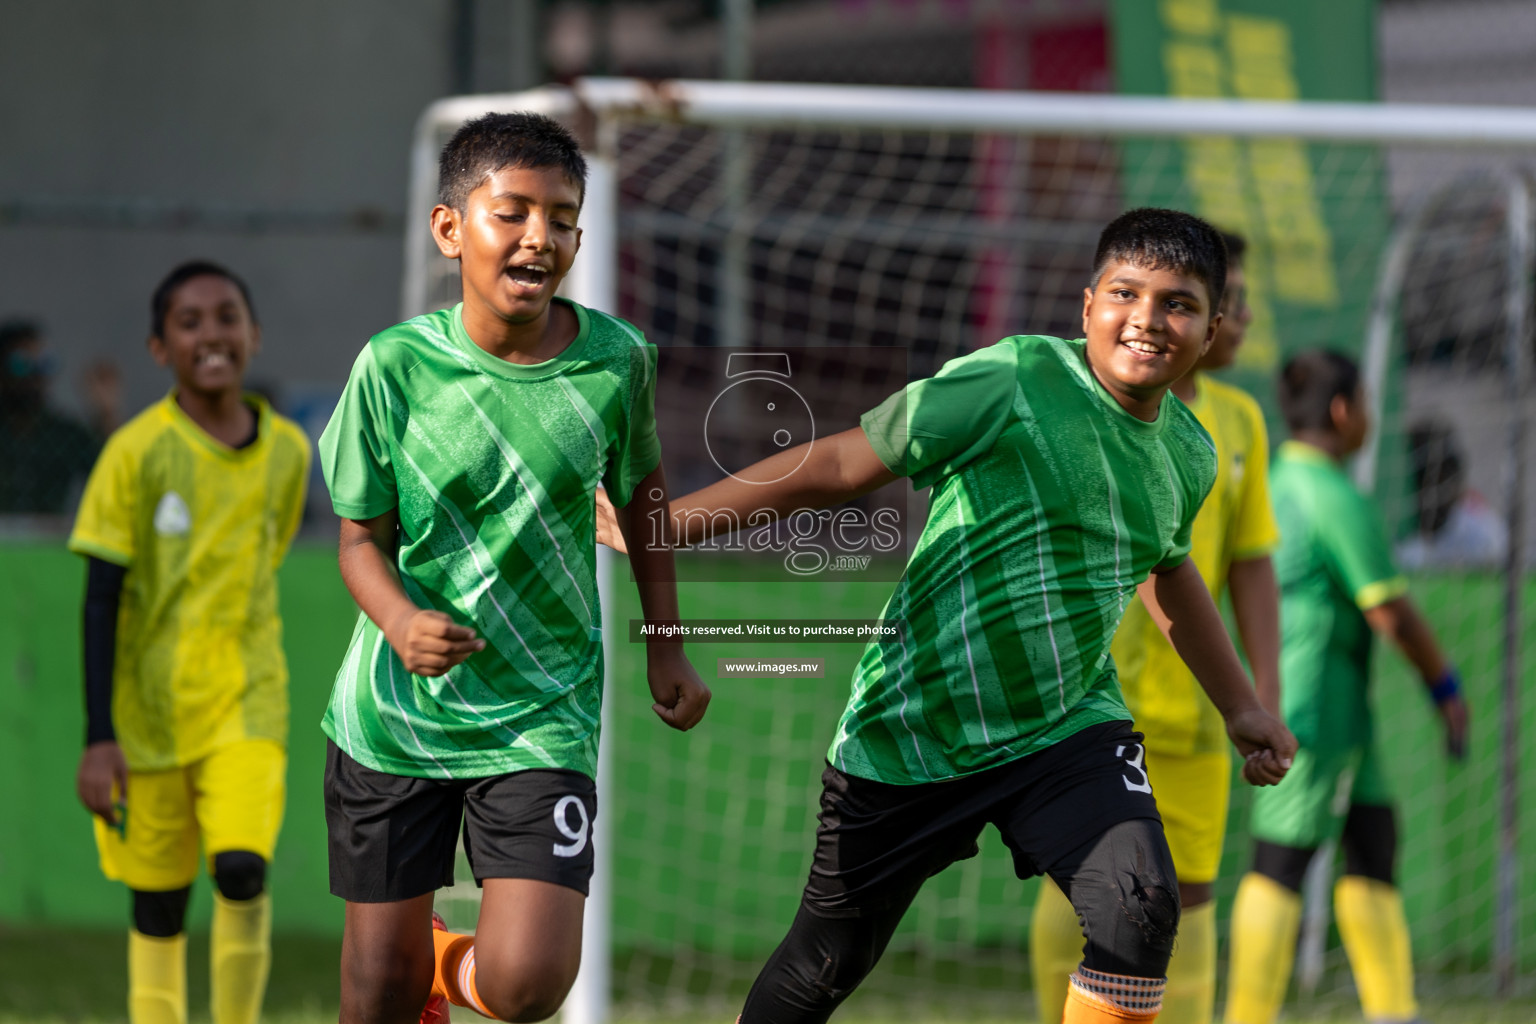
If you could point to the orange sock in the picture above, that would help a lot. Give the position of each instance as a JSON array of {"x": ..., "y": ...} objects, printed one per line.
[
  {"x": 453, "y": 978},
  {"x": 1096, "y": 997}
]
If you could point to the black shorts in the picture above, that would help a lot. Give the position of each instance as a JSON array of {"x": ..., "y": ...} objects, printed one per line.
[
  {"x": 877, "y": 842},
  {"x": 392, "y": 837}
]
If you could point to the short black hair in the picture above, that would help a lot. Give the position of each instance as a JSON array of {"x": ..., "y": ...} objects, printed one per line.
[
  {"x": 160, "y": 301},
  {"x": 1236, "y": 246},
  {"x": 1310, "y": 381},
  {"x": 492, "y": 142},
  {"x": 1158, "y": 239}
]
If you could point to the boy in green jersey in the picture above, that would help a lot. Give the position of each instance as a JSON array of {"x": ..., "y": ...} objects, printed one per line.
[
  {"x": 1187, "y": 748},
  {"x": 463, "y": 458},
  {"x": 1338, "y": 586},
  {"x": 1063, "y": 474}
]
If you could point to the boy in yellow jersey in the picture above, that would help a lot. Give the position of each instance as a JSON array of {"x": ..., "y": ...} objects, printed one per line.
[
  {"x": 184, "y": 521},
  {"x": 1186, "y": 741}
]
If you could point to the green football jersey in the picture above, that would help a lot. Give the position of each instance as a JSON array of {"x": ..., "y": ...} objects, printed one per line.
[
  {"x": 1333, "y": 562},
  {"x": 1050, "y": 504},
  {"x": 492, "y": 466}
]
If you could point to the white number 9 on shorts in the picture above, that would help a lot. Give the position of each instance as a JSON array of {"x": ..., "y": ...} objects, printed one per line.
[{"x": 577, "y": 835}]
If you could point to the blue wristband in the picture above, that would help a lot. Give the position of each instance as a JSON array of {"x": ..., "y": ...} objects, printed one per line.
[{"x": 1448, "y": 686}]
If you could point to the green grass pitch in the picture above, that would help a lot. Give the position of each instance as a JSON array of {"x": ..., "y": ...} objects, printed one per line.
[{"x": 53, "y": 976}]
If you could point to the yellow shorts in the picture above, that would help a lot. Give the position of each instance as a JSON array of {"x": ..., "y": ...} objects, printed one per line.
[
  {"x": 1193, "y": 791},
  {"x": 231, "y": 800}
]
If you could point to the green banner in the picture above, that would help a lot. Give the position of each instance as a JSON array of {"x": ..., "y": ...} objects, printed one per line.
[{"x": 1316, "y": 215}]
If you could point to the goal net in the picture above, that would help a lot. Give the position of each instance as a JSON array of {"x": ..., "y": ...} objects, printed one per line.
[{"x": 906, "y": 227}]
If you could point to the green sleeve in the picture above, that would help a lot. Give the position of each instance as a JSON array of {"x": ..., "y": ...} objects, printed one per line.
[
  {"x": 1178, "y": 551},
  {"x": 1356, "y": 548},
  {"x": 1183, "y": 537},
  {"x": 1197, "y": 481},
  {"x": 933, "y": 428},
  {"x": 635, "y": 449},
  {"x": 355, "y": 453}
]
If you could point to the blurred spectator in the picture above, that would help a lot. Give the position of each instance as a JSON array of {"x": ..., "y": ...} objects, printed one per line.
[
  {"x": 102, "y": 382},
  {"x": 44, "y": 455},
  {"x": 1457, "y": 526}
]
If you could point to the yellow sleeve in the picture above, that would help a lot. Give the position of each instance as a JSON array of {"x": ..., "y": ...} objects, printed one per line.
[
  {"x": 295, "y": 485},
  {"x": 110, "y": 505},
  {"x": 1254, "y": 531}
]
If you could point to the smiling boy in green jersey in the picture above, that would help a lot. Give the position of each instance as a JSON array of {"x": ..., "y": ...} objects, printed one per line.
[
  {"x": 184, "y": 522},
  {"x": 463, "y": 458},
  {"x": 1338, "y": 586},
  {"x": 1187, "y": 749},
  {"x": 1063, "y": 474}
]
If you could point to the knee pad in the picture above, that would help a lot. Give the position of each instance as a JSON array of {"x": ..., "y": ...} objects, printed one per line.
[
  {"x": 1286, "y": 865},
  {"x": 1123, "y": 885},
  {"x": 239, "y": 874},
  {"x": 160, "y": 915},
  {"x": 1370, "y": 842}
]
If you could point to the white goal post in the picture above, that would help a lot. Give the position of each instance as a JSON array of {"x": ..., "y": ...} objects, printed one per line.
[
  {"x": 601, "y": 107},
  {"x": 767, "y": 105}
]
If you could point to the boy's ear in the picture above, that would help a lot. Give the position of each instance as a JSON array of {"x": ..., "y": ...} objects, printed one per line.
[
  {"x": 1210, "y": 333},
  {"x": 447, "y": 224},
  {"x": 1338, "y": 412},
  {"x": 158, "y": 351},
  {"x": 1087, "y": 302}
]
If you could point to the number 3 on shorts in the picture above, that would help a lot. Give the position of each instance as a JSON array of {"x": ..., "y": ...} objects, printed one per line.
[
  {"x": 578, "y": 835},
  {"x": 1144, "y": 786}
]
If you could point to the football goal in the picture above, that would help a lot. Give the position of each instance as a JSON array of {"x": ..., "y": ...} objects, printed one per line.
[{"x": 923, "y": 224}]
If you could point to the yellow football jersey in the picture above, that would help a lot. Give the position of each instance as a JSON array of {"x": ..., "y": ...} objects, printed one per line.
[
  {"x": 201, "y": 528},
  {"x": 1235, "y": 522}
]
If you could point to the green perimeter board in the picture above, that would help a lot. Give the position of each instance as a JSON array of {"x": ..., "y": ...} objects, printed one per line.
[
  {"x": 48, "y": 865},
  {"x": 714, "y": 826},
  {"x": 1315, "y": 215}
]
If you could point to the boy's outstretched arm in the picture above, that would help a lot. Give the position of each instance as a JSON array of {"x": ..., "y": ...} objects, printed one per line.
[
  {"x": 1256, "y": 608},
  {"x": 681, "y": 696},
  {"x": 1182, "y": 607},
  {"x": 1400, "y": 622},
  {"x": 837, "y": 468},
  {"x": 428, "y": 642}
]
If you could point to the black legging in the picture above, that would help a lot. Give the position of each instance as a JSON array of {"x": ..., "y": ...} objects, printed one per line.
[
  {"x": 1369, "y": 842},
  {"x": 1121, "y": 883}
]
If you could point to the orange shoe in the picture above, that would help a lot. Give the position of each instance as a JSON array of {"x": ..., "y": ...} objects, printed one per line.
[{"x": 436, "y": 1010}]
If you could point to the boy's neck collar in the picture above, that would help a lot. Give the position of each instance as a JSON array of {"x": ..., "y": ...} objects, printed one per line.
[
  {"x": 229, "y": 418},
  {"x": 1315, "y": 446},
  {"x": 1145, "y": 410},
  {"x": 223, "y": 407},
  {"x": 1187, "y": 388},
  {"x": 537, "y": 341},
  {"x": 1146, "y": 423}
]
